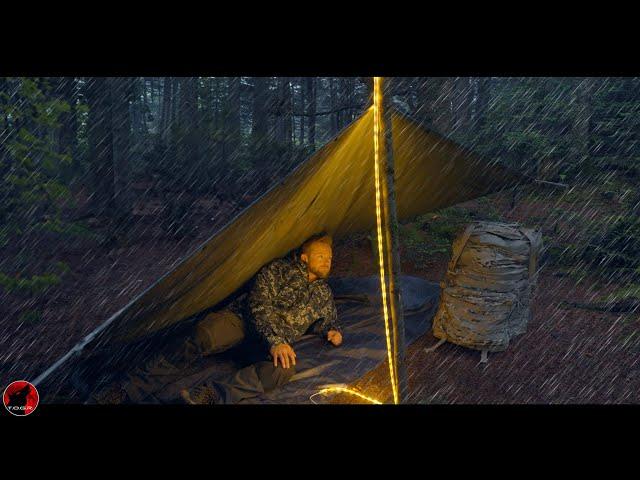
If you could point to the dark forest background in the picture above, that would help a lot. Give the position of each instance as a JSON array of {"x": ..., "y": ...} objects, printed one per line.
[
  {"x": 120, "y": 142},
  {"x": 99, "y": 167}
]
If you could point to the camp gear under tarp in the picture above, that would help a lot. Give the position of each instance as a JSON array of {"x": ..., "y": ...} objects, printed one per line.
[
  {"x": 334, "y": 191},
  {"x": 486, "y": 292},
  {"x": 319, "y": 364}
]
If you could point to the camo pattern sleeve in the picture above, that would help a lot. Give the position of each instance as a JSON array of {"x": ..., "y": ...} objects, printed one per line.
[
  {"x": 284, "y": 305},
  {"x": 327, "y": 312},
  {"x": 264, "y": 291}
]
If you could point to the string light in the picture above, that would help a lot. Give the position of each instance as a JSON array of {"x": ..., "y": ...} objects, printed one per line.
[
  {"x": 377, "y": 107},
  {"x": 349, "y": 391},
  {"x": 377, "y": 103}
]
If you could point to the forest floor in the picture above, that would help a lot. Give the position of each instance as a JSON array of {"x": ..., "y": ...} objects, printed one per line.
[{"x": 568, "y": 354}]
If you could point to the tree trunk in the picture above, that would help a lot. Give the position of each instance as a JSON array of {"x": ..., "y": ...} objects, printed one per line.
[
  {"x": 481, "y": 104},
  {"x": 139, "y": 106},
  {"x": 346, "y": 101},
  {"x": 67, "y": 133},
  {"x": 392, "y": 243},
  {"x": 188, "y": 138},
  {"x": 303, "y": 105},
  {"x": 121, "y": 89},
  {"x": 260, "y": 126},
  {"x": 463, "y": 98},
  {"x": 233, "y": 121},
  {"x": 341, "y": 97},
  {"x": 147, "y": 103},
  {"x": 208, "y": 104},
  {"x": 217, "y": 94},
  {"x": 368, "y": 84},
  {"x": 408, "y": 91},
  {"x": 285, "y": 111},
  {"x": 310, "y": 83},
  {"x": 334, "y": 106},
  {"x": 5, "y": 128},
  {"x": 582, "y": 103},
  {"x": 174, "y": 116},
  {"x": 165, "y": 117},
  {"x": 100, "y": 139},
  {"x": 437, "y": 95},
  {"x": 150, "y": 84}
]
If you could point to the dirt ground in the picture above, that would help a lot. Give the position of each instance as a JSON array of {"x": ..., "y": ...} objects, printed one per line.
[
  {"x": 102, "y": 279},
  {"x": 568, "y": 355}
]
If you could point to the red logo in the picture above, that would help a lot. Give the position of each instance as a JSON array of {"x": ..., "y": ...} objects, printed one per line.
[{"x": 21, "y": 398}]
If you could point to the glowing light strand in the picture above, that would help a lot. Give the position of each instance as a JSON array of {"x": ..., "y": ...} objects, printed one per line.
[
  {"x": 349, "y": 391},
  {"x": 377, "y": 103}
]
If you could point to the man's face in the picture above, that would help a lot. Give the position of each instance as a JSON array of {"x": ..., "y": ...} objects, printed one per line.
[{"x": 318, "y": 259}]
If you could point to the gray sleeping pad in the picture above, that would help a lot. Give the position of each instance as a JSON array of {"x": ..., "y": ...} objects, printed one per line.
[{"x": 486, "y": 293}]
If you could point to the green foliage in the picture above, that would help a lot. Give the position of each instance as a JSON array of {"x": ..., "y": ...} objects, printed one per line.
[
  {"x": 33, "y": 179},
  {"x": 618, "y": 246},
  {"x": 224, "y": 162},
  {"x": 616, "y": 119},
  {"x": 30, "y": 181},
  {"x": 629, "y": 292},
  {"x": 524, "y": 121},
  {"x": 538, "y": 124},
  {"x": 30, "y": 316},
  {"x": 33, "y": 285},
  {"x": 611, "y": 243},
  {"x": 71, "y": 229},
  {"x": 530, "y": 124},
  {"x": 5, "y": 233},
  {"x": 433, "y": 234},
  {"x": 565, "y": 255},
  {"x": 415, "y": 245}
]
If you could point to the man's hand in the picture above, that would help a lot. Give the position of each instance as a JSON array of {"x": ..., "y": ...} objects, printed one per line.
[
  {"x": 284, "y": 354},
  {"x": 334, "y": 337}
]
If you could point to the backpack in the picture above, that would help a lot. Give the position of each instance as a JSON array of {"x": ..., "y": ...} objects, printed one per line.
[{"x": 486, "y": 293}]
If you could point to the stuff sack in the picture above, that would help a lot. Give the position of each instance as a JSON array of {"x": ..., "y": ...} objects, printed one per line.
[{"x": 486, "y": 293}]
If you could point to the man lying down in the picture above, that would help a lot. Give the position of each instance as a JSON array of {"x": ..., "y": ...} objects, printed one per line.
[{"x": 289, "y": 298}]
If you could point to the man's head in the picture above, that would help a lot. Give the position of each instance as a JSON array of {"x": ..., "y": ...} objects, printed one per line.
[{"x": 317, "y": 253}]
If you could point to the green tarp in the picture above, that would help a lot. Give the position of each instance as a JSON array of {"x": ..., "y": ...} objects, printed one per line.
[{"x": 334, "y": 191}]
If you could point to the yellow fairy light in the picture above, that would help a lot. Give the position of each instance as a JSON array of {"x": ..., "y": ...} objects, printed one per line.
[
  {"x": 377, "y": 103},
  {"x": 350, "y": 391},
  {"x": 377, "y": 107}
]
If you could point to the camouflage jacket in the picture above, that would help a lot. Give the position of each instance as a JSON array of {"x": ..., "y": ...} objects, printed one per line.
[{"x": 283, "y": 305}]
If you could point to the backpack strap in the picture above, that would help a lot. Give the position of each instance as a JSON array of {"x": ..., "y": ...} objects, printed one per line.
[
  {"x": 533, "y": 253},
  {"x": 459, "y": 245}
]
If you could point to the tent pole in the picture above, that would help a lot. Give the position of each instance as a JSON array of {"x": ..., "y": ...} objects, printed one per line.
[{"x": 391, "y": 233}]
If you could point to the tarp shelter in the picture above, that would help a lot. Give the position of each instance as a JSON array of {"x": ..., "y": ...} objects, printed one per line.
[{"x": 334, "y": 191}]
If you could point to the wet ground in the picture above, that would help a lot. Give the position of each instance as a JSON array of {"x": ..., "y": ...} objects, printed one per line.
[{"x": 568, "y": 355}]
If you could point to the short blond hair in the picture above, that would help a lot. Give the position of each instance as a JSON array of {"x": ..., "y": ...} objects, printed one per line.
[{"x": 322, "y": 237}]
